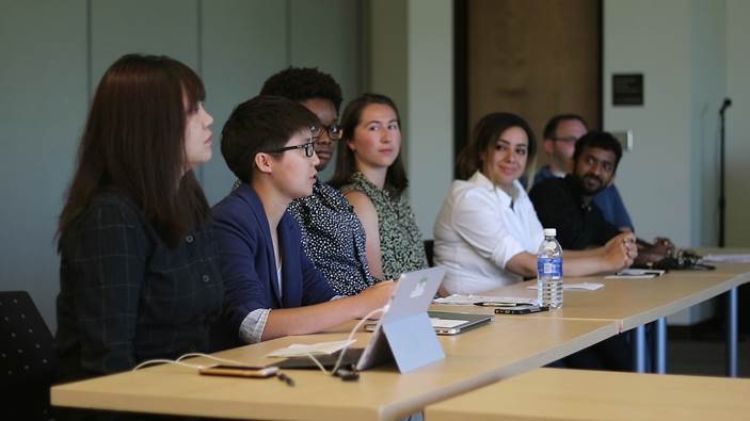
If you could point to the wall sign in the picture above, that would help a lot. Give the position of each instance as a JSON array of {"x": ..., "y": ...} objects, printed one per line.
[{"x": 627, "y": 89}]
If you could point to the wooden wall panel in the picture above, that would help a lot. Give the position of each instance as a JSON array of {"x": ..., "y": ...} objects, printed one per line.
[{"x": 535, "y": 58}]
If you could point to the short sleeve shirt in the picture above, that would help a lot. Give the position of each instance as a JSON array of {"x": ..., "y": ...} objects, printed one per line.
[
  {"x": 401, "y": 243},
  {"x": 333, "y": 238}
]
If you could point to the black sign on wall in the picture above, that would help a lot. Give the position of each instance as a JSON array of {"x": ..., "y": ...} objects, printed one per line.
[{"x": 627, "y": 89}]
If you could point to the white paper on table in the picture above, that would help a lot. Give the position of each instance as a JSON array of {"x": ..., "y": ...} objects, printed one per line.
[
  {"x": 321, "y": 348},
  {"x": 727, "y": 258},
  {"x": 470, "y": 299},
  {"x": 581, "y": 286}
]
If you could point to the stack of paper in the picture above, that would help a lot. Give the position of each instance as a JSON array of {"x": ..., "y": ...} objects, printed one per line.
[
  {"x": 581, "y": 286},
  {"x": 471, "y": 299},
  {"x": 727, "y": 258}
]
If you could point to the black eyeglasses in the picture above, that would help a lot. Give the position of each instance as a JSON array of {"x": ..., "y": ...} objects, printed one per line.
[
  {"x": 334, "y": 131},
  {"x": 309, "y": 148},
  {"x": 569, "y": 139}
]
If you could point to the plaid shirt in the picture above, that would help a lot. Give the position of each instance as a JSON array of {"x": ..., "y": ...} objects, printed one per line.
[{"x": 126, "y": 297}]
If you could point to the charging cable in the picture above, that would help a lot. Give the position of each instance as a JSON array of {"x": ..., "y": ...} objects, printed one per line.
[
  {"x": 349, "y": 340},
  {"x": 281, "y": 376}
]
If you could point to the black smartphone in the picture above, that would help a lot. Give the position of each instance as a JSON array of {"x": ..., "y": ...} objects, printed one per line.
[
  {"x": 525, "y": 309},
  {"x": 240, "y": 371}
]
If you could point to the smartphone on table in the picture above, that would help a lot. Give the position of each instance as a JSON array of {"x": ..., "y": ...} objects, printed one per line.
[
  {"x": 240, "y": 371},
  {"x": 522, "y": 309}
]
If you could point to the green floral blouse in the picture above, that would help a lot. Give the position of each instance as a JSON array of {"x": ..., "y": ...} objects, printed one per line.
[{"x": 401, "y": 243}]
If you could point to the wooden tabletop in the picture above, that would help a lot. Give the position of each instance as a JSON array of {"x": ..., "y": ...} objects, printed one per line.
[
  {"x": 476, "y": 358},
  {"x": 555, "y": 394},
  {"x": 630, "y": 302}
]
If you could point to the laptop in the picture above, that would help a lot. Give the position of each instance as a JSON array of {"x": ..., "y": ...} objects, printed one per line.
[
  {"x": 449, "y": 323},
  {"x": 403, "y": 333}
]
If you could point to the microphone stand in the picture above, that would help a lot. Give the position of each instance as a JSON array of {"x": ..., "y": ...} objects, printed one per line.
[{"x": 722, "y": 195}]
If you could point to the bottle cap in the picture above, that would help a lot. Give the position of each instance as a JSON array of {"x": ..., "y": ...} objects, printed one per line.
[{"x": 550, "y": 232}]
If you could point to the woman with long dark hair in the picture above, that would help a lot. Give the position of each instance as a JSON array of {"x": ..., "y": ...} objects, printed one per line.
[{"x": 139, "y": 274}]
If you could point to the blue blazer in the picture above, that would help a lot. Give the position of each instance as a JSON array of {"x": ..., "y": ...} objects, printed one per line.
[{"x": 248, "y": 265}]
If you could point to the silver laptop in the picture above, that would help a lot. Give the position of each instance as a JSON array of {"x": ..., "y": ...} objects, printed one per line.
[{"x": 449, "y": 323}]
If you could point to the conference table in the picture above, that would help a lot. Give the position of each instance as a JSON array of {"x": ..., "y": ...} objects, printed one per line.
[
  {"x": 508, "y": 346},
  {"x": 632, "y": 303},
  {"x": 560, "y": 395},
  {"x": 502, "y": 349}
]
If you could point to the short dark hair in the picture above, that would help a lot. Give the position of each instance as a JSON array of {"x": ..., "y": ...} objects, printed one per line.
[
  {"x": 134, "y": 143},
  {"x": 601, "y": 140},
  {"x": 550, "y": 130},
  {"x": 395, "y": 178},
  {"x": 484, "y": 138},
  {"x": 261, "y": 124},
  {"x": 303, "y": 83}
]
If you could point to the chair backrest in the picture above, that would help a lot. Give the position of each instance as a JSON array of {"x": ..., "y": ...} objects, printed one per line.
[
  {"x": 429, "y": 250},
  {"x": 27, "y": 357},
  {"x": 26, "y": 344}
]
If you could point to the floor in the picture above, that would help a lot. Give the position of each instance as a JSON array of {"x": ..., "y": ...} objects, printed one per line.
[{"x": 701, "y": 350}]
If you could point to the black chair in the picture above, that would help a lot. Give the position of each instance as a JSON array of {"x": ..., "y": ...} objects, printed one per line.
[
  {"x": 27, "y": 358},
  {"x": 429, "y": 250}
]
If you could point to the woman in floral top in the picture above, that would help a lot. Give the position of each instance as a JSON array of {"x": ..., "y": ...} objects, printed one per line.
[{"x": 371, "y": 175}]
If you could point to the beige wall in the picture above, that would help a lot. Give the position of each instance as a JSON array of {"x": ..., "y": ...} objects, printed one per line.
[
  {"x": 53, "y": 54},
  {"x": 411, "y": 61},
  {"x": 678, "y": 46}
]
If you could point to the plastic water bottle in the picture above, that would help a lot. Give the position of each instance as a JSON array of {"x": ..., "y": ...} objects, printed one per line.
[{"x": 550, "y": 271}]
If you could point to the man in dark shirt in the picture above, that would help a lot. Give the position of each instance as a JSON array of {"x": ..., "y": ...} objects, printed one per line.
[
  {"x": 567, "y": 203},
  {"x": 560, "y": 136}
]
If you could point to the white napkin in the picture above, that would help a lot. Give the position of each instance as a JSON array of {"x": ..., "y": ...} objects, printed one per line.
[{"x": 321, "y": 348}]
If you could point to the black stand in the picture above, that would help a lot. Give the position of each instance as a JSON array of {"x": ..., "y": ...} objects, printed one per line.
[{"x": 722, "y": 195}]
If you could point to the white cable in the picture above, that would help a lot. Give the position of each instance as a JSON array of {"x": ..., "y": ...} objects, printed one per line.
[
  {"x": 348, "y": 342},
  {"x": 349, "y": 339},
  {"x": 163, "y": 361},
  {"x": 320, "y": 366},
  {"x": 178, "y": 361},
  {"x": 210, "y": 357}
]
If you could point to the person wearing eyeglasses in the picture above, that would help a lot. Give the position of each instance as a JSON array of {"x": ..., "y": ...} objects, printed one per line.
[
  {"x": 567, "y": 205},
  {"x": 487, "y": 233},
  {"x": 371, "y": 175},
  {"x": 272, "y": 289},
  {"x": 560, "y": 137},
  {"x": 332, "y": 235}
]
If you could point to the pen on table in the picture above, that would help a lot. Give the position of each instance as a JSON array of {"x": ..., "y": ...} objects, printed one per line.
[
  {"x": 498, "y": 304},
  {"x": 284, "y": 378}
]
